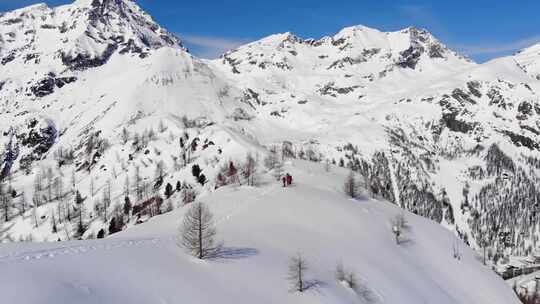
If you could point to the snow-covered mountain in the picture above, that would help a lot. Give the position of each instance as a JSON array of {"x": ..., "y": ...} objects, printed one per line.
[
  {"x": 359, "y": 52},
  {"x": 94, "y": 93},
  {"x": 432, "y": 132},
  {"x": 79, "y": 36},
  {"x": 356, "y": 63},
  {"x": 98, "y": 99}
]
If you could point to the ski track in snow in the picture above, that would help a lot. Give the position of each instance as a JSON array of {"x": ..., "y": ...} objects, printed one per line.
[{"x": 26, "y": 256}]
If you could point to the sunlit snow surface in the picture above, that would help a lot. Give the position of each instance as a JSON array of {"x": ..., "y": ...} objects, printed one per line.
[{"x": 261, "y": 228}]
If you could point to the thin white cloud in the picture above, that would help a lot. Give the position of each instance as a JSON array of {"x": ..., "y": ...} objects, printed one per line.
[
  {"x": 487, "y": 48},
  {"x": 211, "y": 47},
  {"x": 423, "y": 16},
  {"x": 416, "y": 11}
]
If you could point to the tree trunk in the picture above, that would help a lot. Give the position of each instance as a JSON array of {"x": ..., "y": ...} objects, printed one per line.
[
  {"x": 300, "y": 281},
  {"x": 200, "y": 234}
]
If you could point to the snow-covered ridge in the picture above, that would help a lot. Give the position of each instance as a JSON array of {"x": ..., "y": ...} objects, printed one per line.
[
  {"x": 529, "y": 60},
  {"x": 353, "y": 48},
  {"x": 262, "y": 227}
]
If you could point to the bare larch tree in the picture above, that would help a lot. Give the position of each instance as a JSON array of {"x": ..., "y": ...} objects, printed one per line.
[
  {"x": 197, "y": 233},
  {"x": 250, "y": 170},
  {"x": 297, "y": 269}
]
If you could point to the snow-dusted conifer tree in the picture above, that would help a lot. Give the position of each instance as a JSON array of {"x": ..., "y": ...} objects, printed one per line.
[{"x": 351, "y": 186}]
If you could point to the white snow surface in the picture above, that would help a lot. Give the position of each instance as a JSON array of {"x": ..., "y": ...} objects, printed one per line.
[
  {"x": 528, "y": 60},
  {"x": 261, "y": 227}
]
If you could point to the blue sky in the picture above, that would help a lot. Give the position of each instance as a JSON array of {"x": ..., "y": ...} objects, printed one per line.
[{"x": 480, "y": 29}]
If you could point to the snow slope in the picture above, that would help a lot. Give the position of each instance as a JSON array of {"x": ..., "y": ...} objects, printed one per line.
[
  {"x": 261, "y": 228},
  {"x": 528, "y": 60}
]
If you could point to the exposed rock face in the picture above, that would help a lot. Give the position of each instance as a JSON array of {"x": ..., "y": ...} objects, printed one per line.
[
  {"x": 525, "y": 109},
  {"x": 82, "y": 61},
  {"x": 40, "y": 138},
  {"x": 410, "y": 57},
  {"x": 522, "y": 141},
  {"x": 47, "y": 86},
  {"x": 332, "y": 90},
  {"x": 36, "y": 141},
  {"x": 11, "y": 154}
]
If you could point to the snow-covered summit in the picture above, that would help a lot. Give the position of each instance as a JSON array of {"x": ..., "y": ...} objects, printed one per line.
[
  {"x": 354, "y": 49},
  {"x": 80, "y": 35},
  {"x": 347, "y": 65},
  {"x": 27, "y": 9},
  {"x": 529, "y": 60}
]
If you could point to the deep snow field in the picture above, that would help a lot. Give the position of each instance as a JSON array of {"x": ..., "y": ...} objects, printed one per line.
[{"x": 261, "y": 227}]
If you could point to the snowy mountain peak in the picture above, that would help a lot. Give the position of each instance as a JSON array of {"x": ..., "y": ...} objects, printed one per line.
[
  {"x": 528, "y": 59},
  {"x": 357, "y": 48},
  {"x": 88, "y": 3},
  {"x": 280, "y": 37},
  {"x": 81, "y": 35},
  {"x": 355, "y": 29},
  {"x": 354, "y": 59},
  {"x": 27, "y": 9},
  {"x": 107, "y": 4},
  {"x": 118, "y": 14}
]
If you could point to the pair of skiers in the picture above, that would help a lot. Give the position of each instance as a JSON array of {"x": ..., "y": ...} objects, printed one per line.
[{"x": 287, "y": 180}]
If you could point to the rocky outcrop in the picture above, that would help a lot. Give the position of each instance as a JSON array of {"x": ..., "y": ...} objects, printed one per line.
[
  {"x": 38, "y": 137},
  {"x": 47, "y": 86}
]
